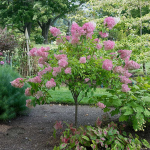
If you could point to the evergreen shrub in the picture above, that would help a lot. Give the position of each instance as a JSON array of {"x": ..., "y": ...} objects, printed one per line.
[{"x": 12, "y": 100}]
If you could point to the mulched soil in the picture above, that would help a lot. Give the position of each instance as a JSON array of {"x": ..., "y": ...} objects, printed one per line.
[{"x": 35, "y": 130}]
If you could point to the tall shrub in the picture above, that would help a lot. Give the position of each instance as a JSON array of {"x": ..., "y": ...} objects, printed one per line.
[{"x": 12, "y": 100}]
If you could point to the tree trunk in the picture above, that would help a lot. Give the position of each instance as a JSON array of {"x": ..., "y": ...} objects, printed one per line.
[
  {"x": 76, "y": 112},
  {"x": 144, "y": 69},
  {"x": 69, "y": 28},
  {"x": 75, "y": 97},
  {"x": 45, "y": 29}
]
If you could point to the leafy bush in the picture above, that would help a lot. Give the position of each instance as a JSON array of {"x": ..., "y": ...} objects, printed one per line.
[
  {"x": 39, "y": 39},
  {"x": 97, "y": 138},
  {"x": 7, "y": 40},
  {"x": 131, "y": 106},
  {"x": 12, "y": 100}
]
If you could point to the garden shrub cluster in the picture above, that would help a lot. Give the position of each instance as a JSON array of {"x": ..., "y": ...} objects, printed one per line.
[
  {"x": 12, "y": 100},
  {"x": 96, "y": 138}
]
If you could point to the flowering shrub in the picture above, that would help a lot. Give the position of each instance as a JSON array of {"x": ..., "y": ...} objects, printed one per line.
[
  {"x": 97, "y": 138},
  {"x": 78, "y": 62}
]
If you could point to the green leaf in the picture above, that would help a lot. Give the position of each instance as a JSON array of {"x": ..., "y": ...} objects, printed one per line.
[
  {"x": 114, "y": 112},
  {"x": 123, "y": 118},
  {"x": 129, "y": 111},
  {"x": 63, "y": 145},
  {"x": 139, "y": 109},
  {"x": 106, "y": 109},
  {"x": 147, "y": 113},
  {"x": 145, "y": 143},
  {"x": 86, "y": 138}
]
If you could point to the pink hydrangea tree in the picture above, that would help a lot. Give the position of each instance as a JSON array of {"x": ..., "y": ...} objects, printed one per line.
[{"x": 82, "y": 62}]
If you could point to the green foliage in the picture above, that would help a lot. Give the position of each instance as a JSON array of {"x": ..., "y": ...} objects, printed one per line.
[
  {"x": 96, "y": 138},
  {"x": 133, "y": 106},
  {"x": 39, "y": 39},
  {"x": 12, "y": 100}
]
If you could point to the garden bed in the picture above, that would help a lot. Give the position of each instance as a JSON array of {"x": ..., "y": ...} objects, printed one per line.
[{"x": 35, "y": 130}]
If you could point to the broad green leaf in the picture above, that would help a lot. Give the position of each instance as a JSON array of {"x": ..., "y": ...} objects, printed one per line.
[
  {"x": 147, "y": 113},
  {"x": 128, "y": 111},
  {"x": 86, "y": 138},
  {"x": 145, "y": 143},
  {"x": 139, "y": 109},
  {"x": 123, "y": 118}
]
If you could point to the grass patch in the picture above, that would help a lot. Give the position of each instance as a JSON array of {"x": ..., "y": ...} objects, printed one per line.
[{"x": 64, "y": 96}]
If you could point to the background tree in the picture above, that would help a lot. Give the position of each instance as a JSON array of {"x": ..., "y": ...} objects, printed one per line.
[
  {"x": 18, "y": 13},
  {"x": 22, "y": 13}
]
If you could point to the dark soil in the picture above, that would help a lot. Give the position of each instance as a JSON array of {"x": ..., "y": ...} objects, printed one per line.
[{"x": 35, "y": 130}]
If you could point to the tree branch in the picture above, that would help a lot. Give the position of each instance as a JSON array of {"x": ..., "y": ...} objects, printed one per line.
[
  {"x": 39, "y": 24},
  {"x": 21, "y": 30}
]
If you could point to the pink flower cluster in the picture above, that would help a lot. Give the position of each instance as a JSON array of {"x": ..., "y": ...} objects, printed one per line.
[
  {"x": 28, "y": 103},
  {"x": 124, "y": 53},
  {"x": 36, "y": 79},
  {"x": 111, "y": 22},
  {"x": 86, "y": 79},
  {"x": 1, "y": 53},
  {"x": 51, "y": 83},
  {"x": 55, "y": 32},
  {"x": 89, "y": 57},
  {"x": 99, "y": 46},
  {"x": 127, "y": 74},
  {"x": 119, "y": 69},
  {"x": 39, "y": 52},
  {"x": 47, "y": 69},
  {"x": 62, "y": 63},
  {"x": 103, "y": 35},
  {"x": 76, "y": 31},
  {"x": 18, "y": 83},
  {"x": 131, "y": 65},
  {"x": 125, "y": 88},
  {"x": 107, "y": 65},
  {"x": 68, "y": 71},
  {"x": 83, "y": 60},
  {"x": 56, "y": 70},
  {"x": 28, "y": 92},
  {"x": 101, "y": 105},
  {"x": 60, "y": 56},
  {"x": 1, "y": 62},
  {"x": 125, "y": 80},
  {"x": 38, "y": 94},
  {"x": 109, "y": 44}
]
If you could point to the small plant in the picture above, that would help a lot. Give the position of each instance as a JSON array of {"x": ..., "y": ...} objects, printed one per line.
[
  {"x": 39, "y": 39},
  {"x": 12, "y": 100},
  {"x": 88, "y": 138}
]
